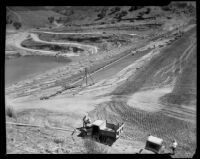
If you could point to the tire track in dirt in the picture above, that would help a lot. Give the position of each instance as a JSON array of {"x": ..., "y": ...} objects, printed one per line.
[{"x": 138, "y": 124}]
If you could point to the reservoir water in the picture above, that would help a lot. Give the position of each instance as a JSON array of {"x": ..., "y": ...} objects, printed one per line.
[{"x": 25, "y": 67}]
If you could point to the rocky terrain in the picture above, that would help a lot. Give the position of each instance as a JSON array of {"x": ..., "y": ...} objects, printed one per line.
[{"x": 142, "y": 61}]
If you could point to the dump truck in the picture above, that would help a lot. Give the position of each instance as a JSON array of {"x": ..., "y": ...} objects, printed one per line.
[
  {"x": 154, "y": 145},
  {"x": 103, "y": 131}
]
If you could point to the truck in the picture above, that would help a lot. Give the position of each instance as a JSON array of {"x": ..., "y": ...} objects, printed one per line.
[
  {"x": 102, "y": 131},
  {"x": 154, "y": 145}
]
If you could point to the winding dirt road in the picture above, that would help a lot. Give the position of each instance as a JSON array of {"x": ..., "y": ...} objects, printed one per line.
[
  {"x": 36, "y": 38},
  {"x": 16, "y": 40}
]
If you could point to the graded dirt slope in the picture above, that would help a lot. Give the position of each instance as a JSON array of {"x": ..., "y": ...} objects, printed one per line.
[
  {"x": 148, "y": 90},
  {"x": 137, "y": 101},
  {"x": 140, "y": 118}
]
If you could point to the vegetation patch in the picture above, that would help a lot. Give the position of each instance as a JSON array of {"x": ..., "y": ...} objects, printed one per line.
[
  {"x": 93, "y": 148},
  {"x": 103, "y": 42},
  {"x": 11, "y": 112}
]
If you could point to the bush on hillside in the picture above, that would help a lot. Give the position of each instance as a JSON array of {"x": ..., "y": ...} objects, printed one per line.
[
  {"x": 59, "y": 140},
  {"x": 114, "y": 10},
  {"x": 102, "y": 14},
  {"x": 120, "y": 15},
  {"x": 10, "y": 111},
  {"x": 166, "y": 8},
  {"x": 17, "y": 25},
  {"x": 132, "y": 8},
  {"x": 148, "y": 11},
  {"x": 51, "y": 19},
  {"x": 191, "y": 9},
  {"x": 8, "y": 19},
  {"x": 141, "y": 14},
  {"x": 59, "y": 20},
  {"x": 181, "y": 4}
]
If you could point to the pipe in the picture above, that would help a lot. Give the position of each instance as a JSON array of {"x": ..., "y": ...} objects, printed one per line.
[{"x": 22, "y": 124}]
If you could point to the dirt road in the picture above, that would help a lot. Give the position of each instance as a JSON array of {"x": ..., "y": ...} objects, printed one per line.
[
  {"x": 36, "y": 38},
  {"x": 16, "y": 40}
]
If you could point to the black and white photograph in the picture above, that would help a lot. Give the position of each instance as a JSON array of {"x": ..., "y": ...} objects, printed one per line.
[{"x": 101, "y": 79}]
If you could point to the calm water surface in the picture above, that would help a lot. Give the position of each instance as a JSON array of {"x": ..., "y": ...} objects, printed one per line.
[{"x": 25, "y": 67}]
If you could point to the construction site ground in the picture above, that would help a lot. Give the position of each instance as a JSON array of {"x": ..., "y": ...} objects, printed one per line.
[{"x": 143, "y": 84}]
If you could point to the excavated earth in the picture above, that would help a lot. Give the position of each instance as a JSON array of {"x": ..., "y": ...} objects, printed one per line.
[{"x": 152, "y": 89}]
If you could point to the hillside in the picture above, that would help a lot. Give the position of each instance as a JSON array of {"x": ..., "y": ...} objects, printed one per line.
[
  {"x": 125, "y": 64},
  {"x": 32, "y": 17}
]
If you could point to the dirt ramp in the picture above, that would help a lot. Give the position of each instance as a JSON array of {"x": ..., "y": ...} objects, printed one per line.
[{"x": 184, "y": 91}]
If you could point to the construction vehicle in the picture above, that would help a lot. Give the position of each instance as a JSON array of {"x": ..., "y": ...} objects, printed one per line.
[
  {"x": 102, "y": 131},
  {"x": 154, "y": 145}
]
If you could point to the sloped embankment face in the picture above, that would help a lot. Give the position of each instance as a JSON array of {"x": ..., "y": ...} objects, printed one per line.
[
  {"x": 184, "y": 91},
  {"x": 165, "y": 73},
  {"x": 140, "y": 123},
  {"x": 160, "y": 71}
]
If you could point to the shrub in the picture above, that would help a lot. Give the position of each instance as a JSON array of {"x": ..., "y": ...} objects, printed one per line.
[
  {"x": 191, "y": 9},
  {"x": 132, "y": 8},
  {"x": 114, "y": 10},
  {"x": 102, "y": 14},
  {"x": 17, "y": 25},
  {"x": 8, "y": 19},
  {"x": 10, "y": 111},
  {"x": 166, "y": 8},
  {"x": 181, "y": 4},
  {"x": 120, "y": 15},
  {"x": 123, "y": 13},
  {"x": 140, "y": 17},
  {"x": 59, "y": 20},
  {"x": 51, "y": 19},
  {"x": 59, "y": 140},
  {"x": 65, "y": 12},
  {"x": 148, "y": 11}
]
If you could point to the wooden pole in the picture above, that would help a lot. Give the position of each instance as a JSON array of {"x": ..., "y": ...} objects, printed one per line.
[{"x": 86, "y": 75}]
